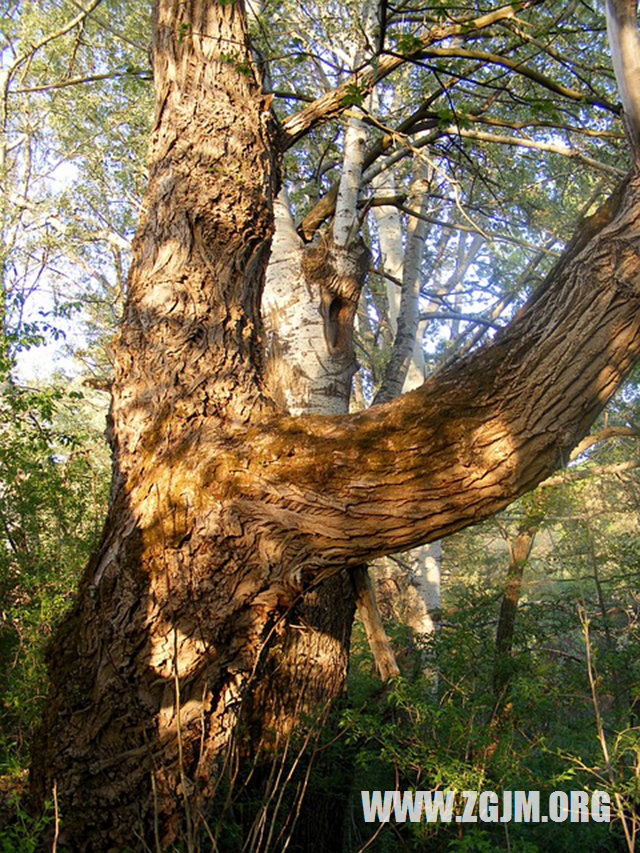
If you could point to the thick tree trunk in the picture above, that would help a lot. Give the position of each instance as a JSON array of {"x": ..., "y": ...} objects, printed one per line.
[
  {"x": 224, "y": 511},
  {"x": 304, "y": 670},
  {"x": 143, "y": 698},
  {"x": 298, "y": 679}
]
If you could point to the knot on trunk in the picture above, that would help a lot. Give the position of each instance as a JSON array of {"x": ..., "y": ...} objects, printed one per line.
[{"x": 339, "y": 273}]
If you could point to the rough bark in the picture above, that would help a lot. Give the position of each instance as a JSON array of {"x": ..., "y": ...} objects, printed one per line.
[
  {"x": 137, "y": 703},
  {"x": 224, "y": 510}
]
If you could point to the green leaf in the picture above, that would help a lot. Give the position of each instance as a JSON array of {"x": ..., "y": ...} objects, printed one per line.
[
  {"x": 408, "y": 43},
  {"x": 354, "y": 95}
]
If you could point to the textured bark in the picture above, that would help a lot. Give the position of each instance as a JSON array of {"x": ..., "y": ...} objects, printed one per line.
[
  {"x": 310, "y": 367},
  {"x": 140, "y": 711},
  {"x": 224, "y": 510}
]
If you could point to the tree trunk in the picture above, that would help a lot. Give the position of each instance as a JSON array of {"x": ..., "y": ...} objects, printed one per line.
[
  {"x": 405, "y": 369},
  {"x": 143, "y": 697},
  {"x": 304, "y": 670},
  {"x": 309, "y": 303},
  {"x": 310, "y": 367},
  {"x": 408, "y": 588},
  {"x": 519, "y": 550},
  {"x": 223, "y": 510}
]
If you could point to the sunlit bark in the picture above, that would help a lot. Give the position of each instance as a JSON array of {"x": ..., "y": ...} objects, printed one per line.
[{"x": 225, "y": 510}]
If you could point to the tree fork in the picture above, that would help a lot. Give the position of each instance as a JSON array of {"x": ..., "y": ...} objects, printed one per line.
[{"x": 224, "y": 510}]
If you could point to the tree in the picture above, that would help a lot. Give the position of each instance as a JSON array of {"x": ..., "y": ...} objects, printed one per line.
[{"x": 225, "y": 510}]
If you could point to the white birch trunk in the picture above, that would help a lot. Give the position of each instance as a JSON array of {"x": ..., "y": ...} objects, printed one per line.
[
  {"x": 408, "y": 588},
  {"x": 410, "y": 592},
  {"x": 307, "y": 375},
  {"x": 302, "y": 374},
  {"x": 405, "y": 369},
  {"x": 355, "y": 139},
  {"x": 624, "y": 41}
]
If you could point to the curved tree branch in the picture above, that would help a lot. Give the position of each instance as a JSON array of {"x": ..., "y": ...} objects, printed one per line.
[{"x": 490, "y": 427}]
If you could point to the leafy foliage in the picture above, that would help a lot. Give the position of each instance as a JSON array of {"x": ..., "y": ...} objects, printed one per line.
[
  {"x": 53, "y": 476},
  {"x": 459, "y": 734}
]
